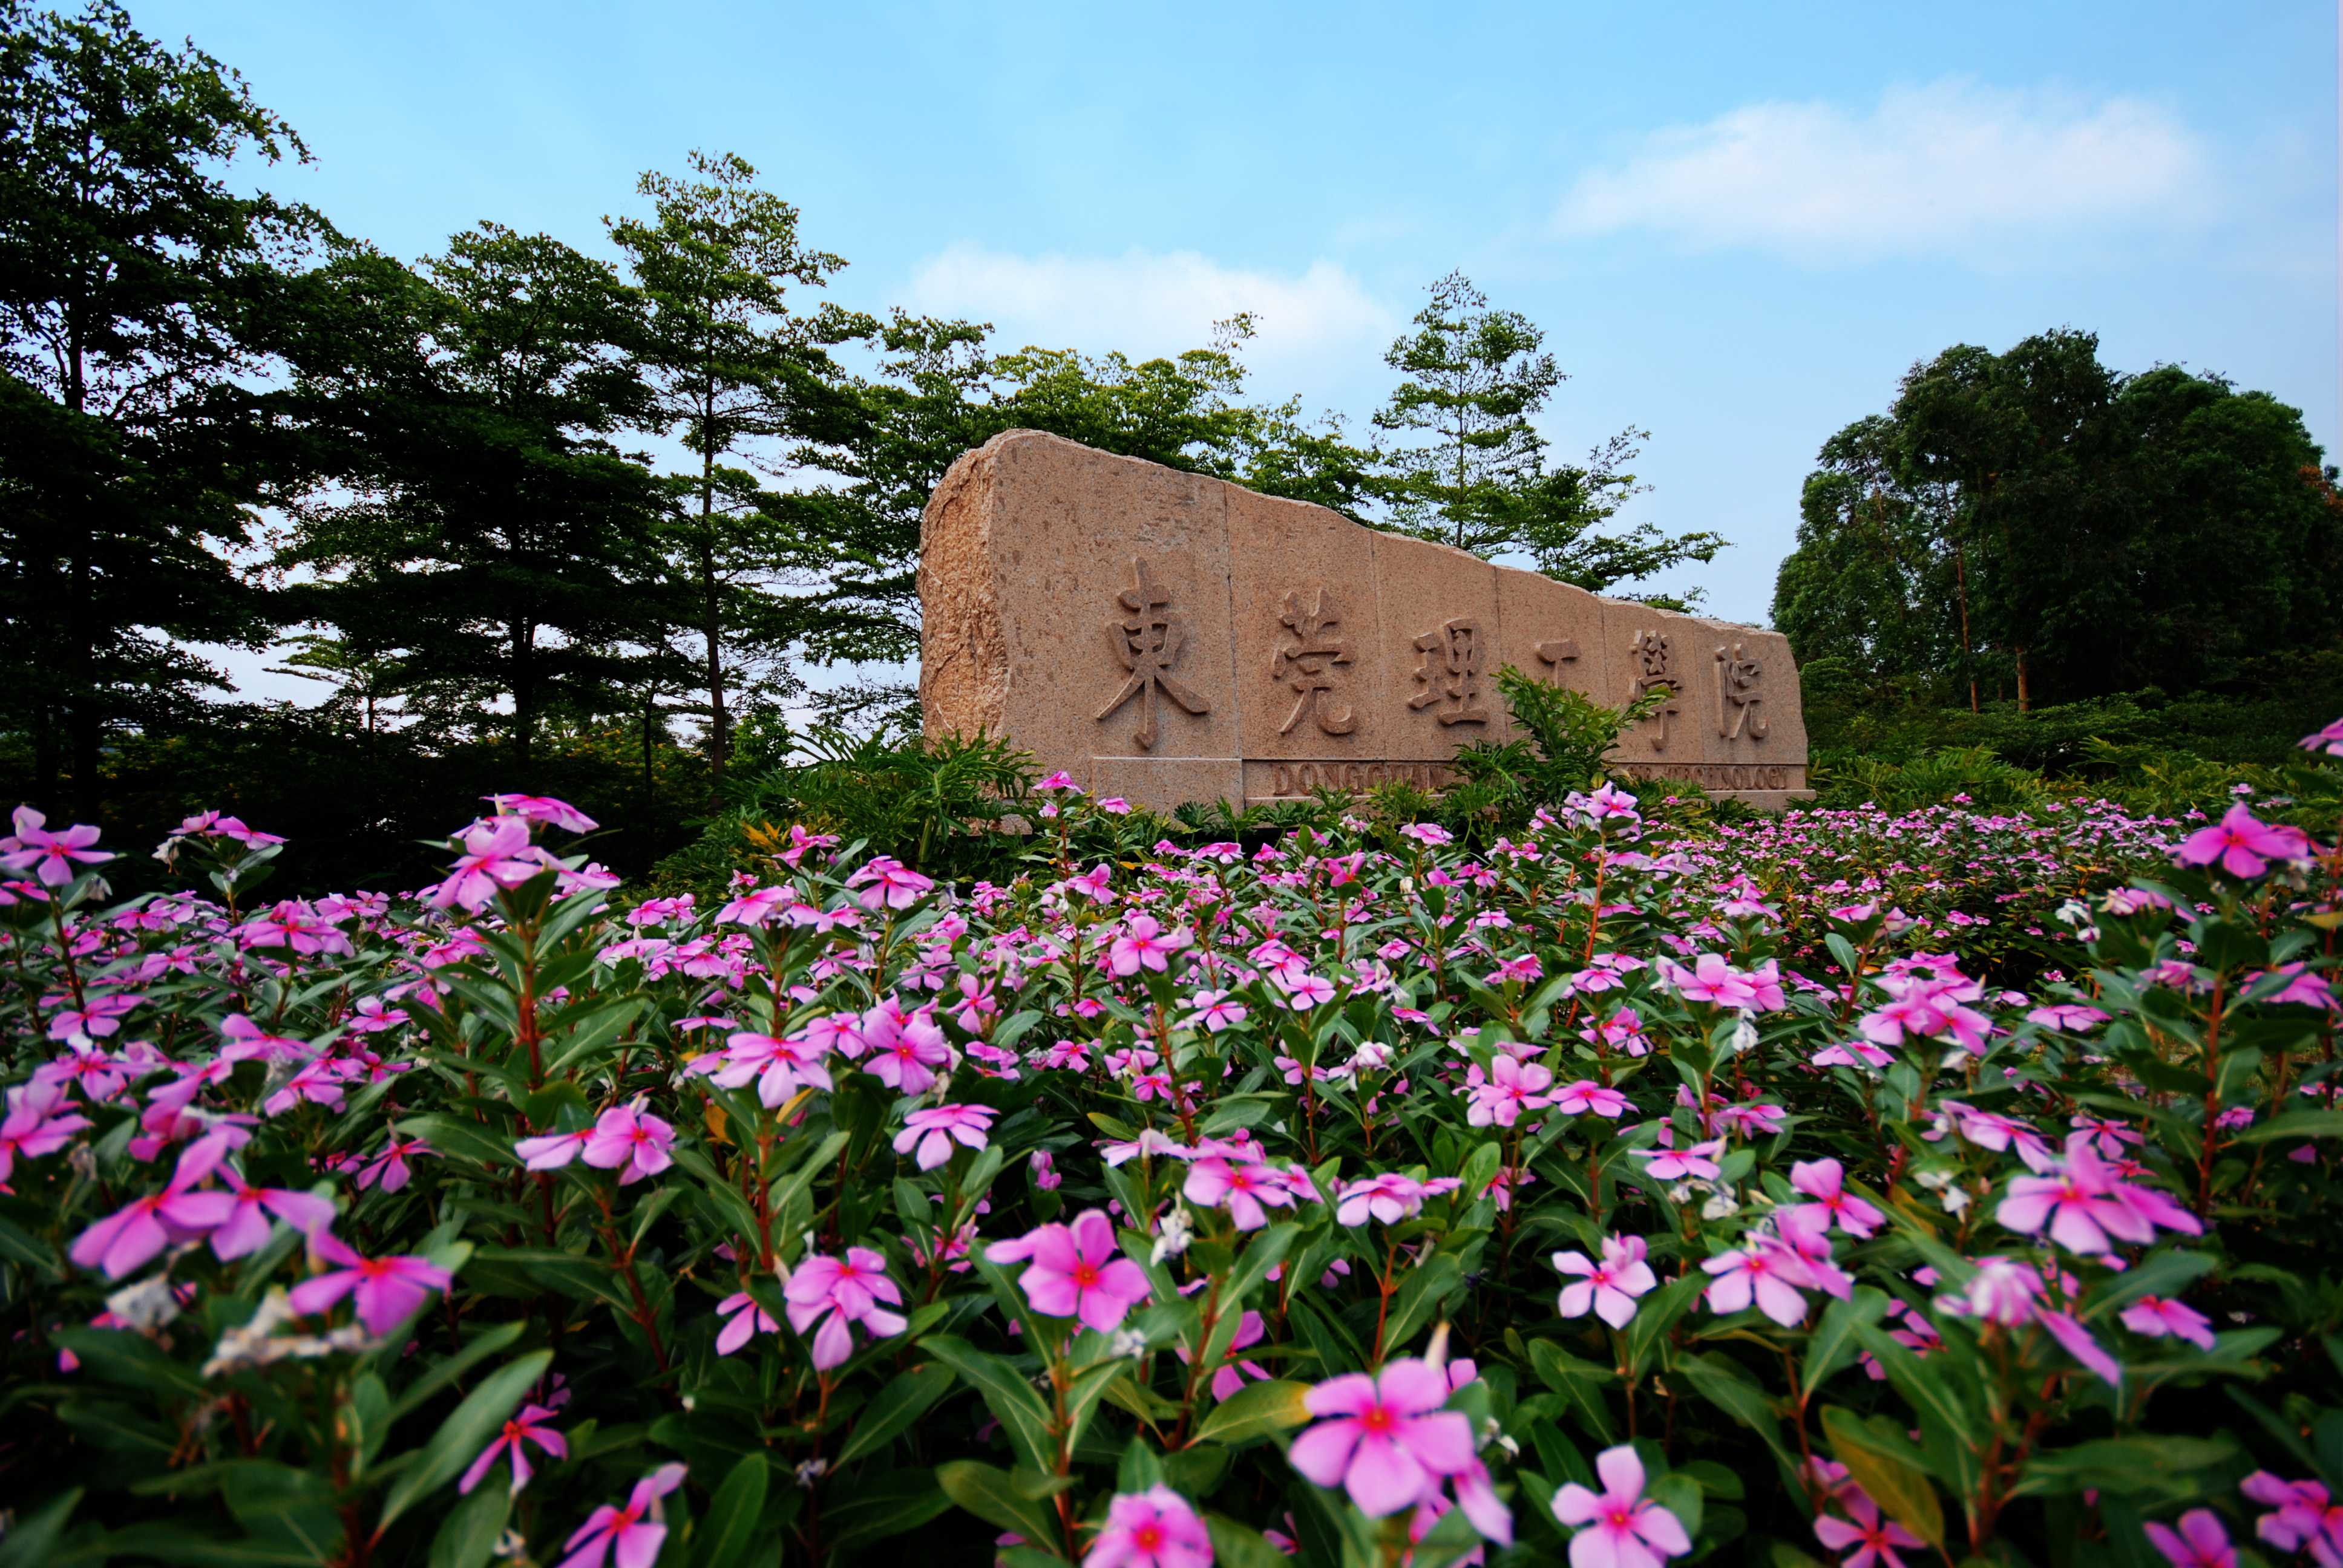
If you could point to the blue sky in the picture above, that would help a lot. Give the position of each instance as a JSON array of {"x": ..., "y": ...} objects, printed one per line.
[{"x": 1738, "y": 224}]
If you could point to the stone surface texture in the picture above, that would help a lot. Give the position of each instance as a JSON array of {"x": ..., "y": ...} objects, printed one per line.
[{"x": 1165, "y": 637}]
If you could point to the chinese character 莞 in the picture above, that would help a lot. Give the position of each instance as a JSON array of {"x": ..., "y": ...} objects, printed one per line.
[
  {"x": 1451, "y": 672},
  {"x": 1308, "y": 667},
  {"x": 1738, "y": 694},
  {"x": 1145, "y": 642}
]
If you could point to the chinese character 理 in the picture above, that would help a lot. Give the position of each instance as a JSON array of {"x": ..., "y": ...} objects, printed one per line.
[
  {"x": 1145, "y": 642},
  {"x": 1451, "y": 672},
  {"x": 1308, "y": 667},
  {"x": 1738, "y": 696}
]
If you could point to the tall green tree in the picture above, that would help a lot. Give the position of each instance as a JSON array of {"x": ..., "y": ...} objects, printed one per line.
[
  {"x": 136, "y": 285},
  {"x": 1478, "y": 476},
  {"x": 720, "y": 350},
  {"x": 2038, "y": 523},
  {"x": 482, "y": 533}
]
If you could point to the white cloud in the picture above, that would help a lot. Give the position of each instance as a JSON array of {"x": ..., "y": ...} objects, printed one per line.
[
  {"x": 1950, "y": 167},
  {"x": 1312, "y": 331}
]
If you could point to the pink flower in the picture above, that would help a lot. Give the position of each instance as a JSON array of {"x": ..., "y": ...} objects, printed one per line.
[
  {"x": 2003, "y": 1290},
  {"x": 1045, "y": 1172},
  {"x": 1620, "y": 1528},
  {"x": 934, "y": 1132},
  {"x": 801, "y": 841},
  {"x": 1143, "y": 942},
  {"x": 1303, "y": 990},
  {"x": 34, "y": 1127},
  {"x": 1586, "y": 1096},
  {"x": 1710, "y": 979},
  {"x": 745, "y": 1321},
  {"x": 1511, "y": 1088},
  {"x": 1426, "y": 833},
  {"x": 494, "y": 856},
  {"x": 2156, "y": 1316},
  {"x": 1075, "y": 1272},
  {"x": 631, "y": 1140},
  {"x": 145, "y": 1226},
  {"x": 1389, "y": 1198},
  {"x": 1150, "y": 1529},
  {"x": 2243, "y": 845},
  {"x": 1609, "y": 1288},
  {"x": 638, "y": 1542},
  {"x": 543, "y": 809},
  {"x": 1097, "y": 884},
  {"x": 2084, "y": 1205},
  {"x": 248, "y": 1227},
  {"x": 2303, "y": 1515},
  {"x": 527, "y": 1425},
  {"x": 1244, "y": 1186},
  {"x": 1874, "y": 1541},
  {"x": 756, "y": 909},
  {"x": 553, "y": 1151},
  {"x": 247, "y": 1040},
  {"x": 2329, "y": 740},
  {"x": 1216, "y": 1010},
  {"x": 781, "y": 1067},
  {"x": 1765, "y": 1272},
  {"x": 385, "y": 1290},
  {"x": 54, "y": 853},
  {"x": 2202, "y": 1541},
  {"x": 1385, "y": 1440},
  {"x": 889, "y": 883},
  {"x": 2069, "y": 1016},
  {"x": 905, "y": 1048},
  {"x": 1675, "y": 1165},
  {"x": 839, "y": 1292},
  {"x": 1061, "y": 780},
  {"x": 1820, "y": 1180},
  {"x": 390, "y": 1166}
]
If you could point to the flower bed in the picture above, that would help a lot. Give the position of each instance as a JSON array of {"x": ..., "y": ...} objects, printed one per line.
[{"x": 1617, "y": 1193}]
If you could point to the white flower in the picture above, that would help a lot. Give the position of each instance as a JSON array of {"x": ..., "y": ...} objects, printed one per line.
[
  {"x": 1127, "y": 1343},
  {"x": 1720, "y": 1206},
  {"x": 1173, "y": 1239},
  {"x": 1744, "y": 1033},
  {"x": 147, "y": 1305},
  {"x": 811, "y": 1470}
]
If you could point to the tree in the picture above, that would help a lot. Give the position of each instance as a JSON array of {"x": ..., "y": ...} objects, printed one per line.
[
  {"x": 715, "y": 263},
  {"x": 1480, "y": 481},
  {"x": 2038, "y": 519},
  {"x": 485, "y": 532},
  {"x": 132, "y": 281}
]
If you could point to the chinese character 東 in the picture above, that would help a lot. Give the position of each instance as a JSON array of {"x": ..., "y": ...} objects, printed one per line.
[{"x": 1145, "y": 642}]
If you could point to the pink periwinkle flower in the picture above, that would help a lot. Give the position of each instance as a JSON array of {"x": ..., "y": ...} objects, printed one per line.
[
  {"x": 2154, "y": 1317},
  {"x": 2304, "y": 1518},
  {"x": 1073, "y": 1271},
  {"x": 635, "y": 1531},
  {"x": 496, "y": 855},
  {"x": 1144, "y": 943},
  {"x": 905, "y": 1048},
  {"x": 1244, "y": 1186},
  {"x": 145, "y": 1226},
  {"x": 934, "y": 1130},
  {"x": 888, "y": 882},
  {"x": 543, "y": 809},
  {"x": 1820, "y": 1180},
  {"x": 1767, "y": 1273},
  {"x": 1152, "y": 1529},
  {"x": 1384, "y": 1440},
  {"x": 1619, "y": 1527},
  {"x": 1608, "y": 1288},
  {"x": 1873, "y": 1539},
  {"x": 385, "y": 1291},
  {"x": 2201, "y": 1541},
  {"x": 1587, "y": 1097},
  {"x": 528, "y": 1426},
  {"x": 1511, "y": 1088},
  {"x": 53, "y": 854},
  {"x": 781, "y": 1067},
  {"x": 247, "y": 1226},
  {"x": 630, "y": 1140},
  {"x": 39, "y": 1121},
  {"x": 1389, "y": 1197},
  {"x": 744, "y": 1320},
  {"x": 2085, "y": 1206},
  {"x": 1045, "y": 1172},
  {"x": 2242, "y": 844},
  {"x": 390, "y": 1166},
  {"x": 838, "y": 1292},
  {"x": 1675, "y": 1165}
]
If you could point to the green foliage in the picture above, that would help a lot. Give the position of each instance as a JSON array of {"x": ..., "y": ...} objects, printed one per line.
[{"x": 1567, "y": 749}]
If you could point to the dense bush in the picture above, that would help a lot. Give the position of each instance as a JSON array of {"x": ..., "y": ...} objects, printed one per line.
[{"x": 1365, "y": 1194}]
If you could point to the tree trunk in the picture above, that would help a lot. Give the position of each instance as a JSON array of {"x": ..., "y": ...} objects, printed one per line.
[
  {"x": 1968, "y": 661},
  {"x": 720, "y": 740},
  {"x": 524, "y": 644},
  {"x": 2025, "y": 689}
]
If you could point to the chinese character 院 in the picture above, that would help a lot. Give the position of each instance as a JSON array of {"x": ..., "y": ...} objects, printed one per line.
[
  {"x": 1308, "y": 667},
  {"x": 1451, "y": 672},
  {"x": 1738, "y": 694},
  {"x": 1145, "y": 642}
]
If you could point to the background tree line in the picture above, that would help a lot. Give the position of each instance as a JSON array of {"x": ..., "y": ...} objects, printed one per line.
[
  {"x": 543, "y": 520},
  {"x": 2030, "y": 552}
]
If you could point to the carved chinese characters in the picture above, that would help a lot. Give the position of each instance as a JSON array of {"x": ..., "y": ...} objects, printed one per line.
[
  {"x": 1737, "y": 694},
  {"x": 1307, "y": 664},
  {"x": 1260, "y": 649},
  {"x": 1451, "y": 672},
  {"x": 1145, "y": 642}
]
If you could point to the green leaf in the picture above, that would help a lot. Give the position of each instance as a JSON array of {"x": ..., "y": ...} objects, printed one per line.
[
  {"x": 467, "y": 1431},
  {"x": 2165, "y": 1274},
  {"x": 468, "y": 1539},
  {"x": 1895, "y": 1483},
  {"x": 1721, "y": 1381},
  {"x": 902, "y": 1402},
  {"x": 1418, "y": 1298},
  {"x": 1254, "y": 1411},
  {"x": 1834, "y": 1345},
  {"x": 1580, "y": 1381},
  {"x": 1656, "y": 1314},
  {"x": 725, "y": 1535},
  {"x": 2292, "y": 1124},
  {"x": 1012, "y": 1399},
  {"x": 28, "y": 1544},
  {"x": 449, "y": 1369},
  {"x": 882, "y": 1503},
  {"x": 467, "y": 1140},
  {"x": 2125, "y": 1465},
  {"x": 991, "y": 1495},
  {"x": 1236, "y": 1545}
]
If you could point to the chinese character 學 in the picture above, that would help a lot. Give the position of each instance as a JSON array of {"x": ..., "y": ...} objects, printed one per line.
[
  {"x": 1308, "y": 667},
  {"x": 1145, "y": 642},
  {"x": 1738, "y": 696},
  {"x": 1451, "y": 672},
  {"x": 1652, "y": 663}
]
